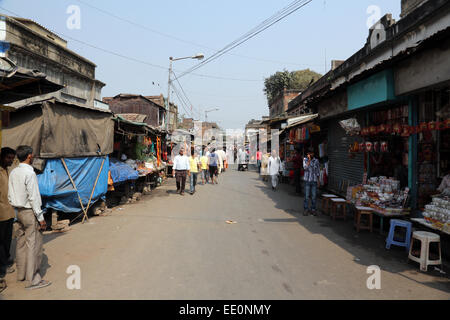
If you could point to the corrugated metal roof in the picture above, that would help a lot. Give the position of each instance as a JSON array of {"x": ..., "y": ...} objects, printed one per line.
[
  {"x": 293, "y": 122},
  {"x": 134, "y": 117}
]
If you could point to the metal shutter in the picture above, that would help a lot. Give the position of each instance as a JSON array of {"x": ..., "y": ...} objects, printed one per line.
[{"x": 342, "y": 168}]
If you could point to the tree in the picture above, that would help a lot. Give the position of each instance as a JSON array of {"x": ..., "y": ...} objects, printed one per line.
[{"x": 295, "y": 80}]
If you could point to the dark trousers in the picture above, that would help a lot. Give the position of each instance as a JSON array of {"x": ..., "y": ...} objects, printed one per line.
[
  {"x": 6, "y": 229},
  {"x": 180, "y": 176},
  {"x": 298, "y": 180}
]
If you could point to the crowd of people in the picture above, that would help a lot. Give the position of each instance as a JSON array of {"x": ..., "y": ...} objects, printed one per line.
[
  {"x": 209, "y": 165},
  {"x": 20, "y": 204}
]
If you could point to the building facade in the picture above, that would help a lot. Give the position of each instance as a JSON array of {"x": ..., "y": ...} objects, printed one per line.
[
  {"x": 34, "y": 47},
  {"x": 136, "y": 104}
]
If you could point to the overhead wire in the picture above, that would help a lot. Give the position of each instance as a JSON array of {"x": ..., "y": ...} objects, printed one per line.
[
  {"x": 290, "y": 9},
  {"x": 179, "y": 39},
  {"x": 135, "y": 59},
  {"x": 184, "y": 92}
]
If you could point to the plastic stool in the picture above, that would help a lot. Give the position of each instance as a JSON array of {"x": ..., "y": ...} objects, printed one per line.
[
  {"x": 424, "y": 259},
  {"x": 390, "y": 239}
]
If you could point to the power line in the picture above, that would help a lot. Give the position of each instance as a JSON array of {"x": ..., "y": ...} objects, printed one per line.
[
  {"x": 290, "y": 9},
  {"x": 184, "y": 92},
  {"x": 134, "y": 59},
  {"x": 179, "y": 39},
  {"x": 183, "y": 102}
]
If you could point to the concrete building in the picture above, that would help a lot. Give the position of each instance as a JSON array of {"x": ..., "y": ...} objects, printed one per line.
[
  {"x": 32, "y": 46},
  {"x": 137, "y": 104}
]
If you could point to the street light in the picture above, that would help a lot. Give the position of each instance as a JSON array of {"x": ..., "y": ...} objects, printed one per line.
[
  {"x": 198, "y": 56},
  {"x": 208, "y": 111}
]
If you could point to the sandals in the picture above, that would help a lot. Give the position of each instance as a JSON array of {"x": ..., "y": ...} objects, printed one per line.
[{"x": 42, "y": 284}]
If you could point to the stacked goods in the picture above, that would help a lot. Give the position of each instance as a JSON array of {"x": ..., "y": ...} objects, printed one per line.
[
  {"x": 438, "y": 212},
  {"x": 381, "y": 193}
]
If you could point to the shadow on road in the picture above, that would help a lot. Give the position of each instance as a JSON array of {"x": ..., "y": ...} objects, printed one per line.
[{"x": 367, "y": 248}]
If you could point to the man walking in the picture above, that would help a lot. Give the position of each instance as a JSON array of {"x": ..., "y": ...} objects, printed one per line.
[
  {"x": 24, "y": 196},
  {"x": 212, "y": 162},
  {"x": 7, "y": 216},
  {"x": 204, "y": 168},
  {"x": 274, "y": 168},
  {"x": 193, "y": 167},
  {"x": 258, "y": 160},
  {"x": 311, "y": 177},
  {"x": 180, "y": 171}
]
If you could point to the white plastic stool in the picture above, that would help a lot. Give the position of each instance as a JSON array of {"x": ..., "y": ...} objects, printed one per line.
[{"x": 424, "y": 259}]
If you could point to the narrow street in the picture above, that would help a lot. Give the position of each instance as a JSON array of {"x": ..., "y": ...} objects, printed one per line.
[{"x": 171, "y": 247}]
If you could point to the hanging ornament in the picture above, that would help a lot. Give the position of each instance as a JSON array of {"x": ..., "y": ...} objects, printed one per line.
[
  {"x": 388, "y": 128},
  {"x": 432, "y": 125},
  {"x": 384, "y": 146},
  {"x": 405, "y": 131},
  {"x": 397, "y": 128},
  {"x": 369, "y": 146},
  {"x": 423, "y": 127},
  {"x": 362, "y": 147},
  {"x": 376, "y": 146},
  {"x": 447, "y": 124}
]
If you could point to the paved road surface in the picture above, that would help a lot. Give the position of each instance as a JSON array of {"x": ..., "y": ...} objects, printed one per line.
[{"x": 171, "y": 247}]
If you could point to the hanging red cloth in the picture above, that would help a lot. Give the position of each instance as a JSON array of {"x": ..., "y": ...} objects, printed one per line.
[{"x": 158, "y": 151}]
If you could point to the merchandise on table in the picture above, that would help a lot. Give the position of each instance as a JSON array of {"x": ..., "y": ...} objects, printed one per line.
[
  {"x": 380, "y": 193},
  {"x": 438, "y": 212}
]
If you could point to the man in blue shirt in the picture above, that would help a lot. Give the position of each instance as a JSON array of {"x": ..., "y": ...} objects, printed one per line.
[
  {"x": 213, "y": 161},
  {"x": 311, "y": 177}
]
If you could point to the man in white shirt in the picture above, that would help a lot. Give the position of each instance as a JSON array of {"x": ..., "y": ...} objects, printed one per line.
[
  {"x": 274, "y": 168},
  {"x": 24, "y": 196},
  {"x": 181, "y": 170}
]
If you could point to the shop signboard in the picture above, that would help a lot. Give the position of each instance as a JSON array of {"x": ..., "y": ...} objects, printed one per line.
[{"x": 375, "y": 89}]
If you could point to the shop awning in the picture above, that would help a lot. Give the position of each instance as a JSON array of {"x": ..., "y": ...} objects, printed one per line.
[
  {"x": 24, "y": 83},
  {"x": 293, "y": 122}
]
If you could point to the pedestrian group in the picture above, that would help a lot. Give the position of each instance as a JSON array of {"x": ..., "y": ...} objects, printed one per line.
[{"x": 20, "y": 205}]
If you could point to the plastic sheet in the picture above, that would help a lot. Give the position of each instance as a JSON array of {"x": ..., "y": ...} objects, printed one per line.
[
  {"x": 57, "y": 190},
  {"x": 121, "y": 172}
]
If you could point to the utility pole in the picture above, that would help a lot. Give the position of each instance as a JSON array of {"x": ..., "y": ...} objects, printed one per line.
[{"x": 168, "y": 96}]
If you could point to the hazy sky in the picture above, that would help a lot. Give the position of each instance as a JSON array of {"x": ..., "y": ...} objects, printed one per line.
[{"x": 321, "y": 31}]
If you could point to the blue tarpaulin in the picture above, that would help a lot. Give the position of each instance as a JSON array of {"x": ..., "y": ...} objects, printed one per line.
[
  {"x": 58, "y": 192},
  {"x": 121, "y": 172}
]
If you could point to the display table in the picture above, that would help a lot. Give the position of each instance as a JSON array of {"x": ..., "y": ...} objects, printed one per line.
[
  {"x": 387, "y": 214},
  {"x": 428, "y": 224}
]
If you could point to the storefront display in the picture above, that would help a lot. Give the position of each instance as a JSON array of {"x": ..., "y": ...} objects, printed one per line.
[
  {"x": 438, "y": 212},
  {"x": 382, "y": 194}
]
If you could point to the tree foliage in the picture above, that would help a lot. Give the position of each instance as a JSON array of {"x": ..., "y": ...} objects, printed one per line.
[{"x": 295, "y": 80}]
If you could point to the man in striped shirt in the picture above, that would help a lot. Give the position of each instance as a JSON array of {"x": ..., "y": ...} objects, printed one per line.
[{"x": 311, "y": 177}]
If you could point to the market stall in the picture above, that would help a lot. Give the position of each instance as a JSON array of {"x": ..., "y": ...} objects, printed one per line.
[
  {"x": 71, "y": 144},
  {"x": 138, "y": 147},
  {"x": 384, "y": 195},
  {"x": 302, "y": 133}
]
